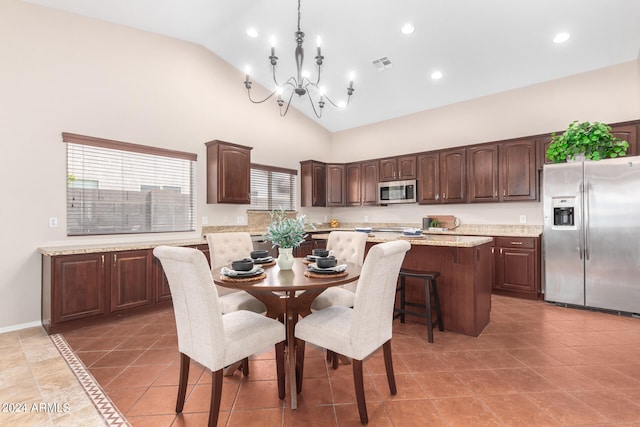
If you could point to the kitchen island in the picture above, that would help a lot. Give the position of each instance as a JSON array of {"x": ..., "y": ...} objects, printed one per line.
[{"x": 464, "y": 285}]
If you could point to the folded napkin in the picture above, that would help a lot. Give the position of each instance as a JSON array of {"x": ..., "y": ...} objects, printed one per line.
[
  {"x": 229, "y": 272},
  {"x": 265, "y": 259},
  {"x": 337, "y": 269}
]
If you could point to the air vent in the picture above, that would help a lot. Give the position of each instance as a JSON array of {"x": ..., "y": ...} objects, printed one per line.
[{"x": 382, "y": 64}]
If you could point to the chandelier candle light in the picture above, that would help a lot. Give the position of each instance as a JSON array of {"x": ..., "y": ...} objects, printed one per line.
[{"x": 300, "y": 84}]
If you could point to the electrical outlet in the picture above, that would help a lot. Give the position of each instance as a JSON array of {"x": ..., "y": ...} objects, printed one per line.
[
  {"x": 366, "y": 218},
  {"x": 205, "y": 220},
  {"x": 53, "y": 222},
  {"x": 523, "y": 219}
]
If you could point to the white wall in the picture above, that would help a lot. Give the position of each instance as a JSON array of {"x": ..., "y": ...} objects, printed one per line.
[
  {"x": 66, "y": 73},
  {"x": 608, "y": 95}
]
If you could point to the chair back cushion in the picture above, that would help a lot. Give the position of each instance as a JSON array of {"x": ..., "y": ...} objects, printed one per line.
[
  {"x": 195, "y": 304},
  {"x": 348, "y": 246},
  {"x": 227, "y": 247},
  {"x": 375, "y": 296}
]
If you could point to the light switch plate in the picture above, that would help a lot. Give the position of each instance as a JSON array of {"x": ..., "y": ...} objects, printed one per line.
[
  {"x": 523, "y": 219},
  {"x": 53, "y": 222}
]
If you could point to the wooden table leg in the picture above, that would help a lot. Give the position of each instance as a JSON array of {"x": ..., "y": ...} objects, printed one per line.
[{"x": 291, "y": 344}]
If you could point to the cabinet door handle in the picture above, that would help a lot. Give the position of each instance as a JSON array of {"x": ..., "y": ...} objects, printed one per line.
[
  {"x": 102, "y": 261},
  {"x": 504, "y": 193},
  {"x": 444, "y": 196},
  {"x": 516, "y": 243},
  {"x": 493, "y": 250},
  {"x": 495, "y": 194},
  {"x": 115, "y": 259},
  {"x": 500, "y": 251},
  {"x": 437, "y": 197}
]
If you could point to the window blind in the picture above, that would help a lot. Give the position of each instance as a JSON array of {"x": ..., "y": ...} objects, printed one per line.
[
  {"x": 272, "y": 188},
  {"x": 120, "y": 188}
]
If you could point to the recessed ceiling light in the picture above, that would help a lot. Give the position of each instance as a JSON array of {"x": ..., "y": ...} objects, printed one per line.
[
  {"x": 561, "y": 37},
  {"x": 252, "y": 32},
  {"x": 437, "y": 75},
  {"x": 407, "y": 29}
]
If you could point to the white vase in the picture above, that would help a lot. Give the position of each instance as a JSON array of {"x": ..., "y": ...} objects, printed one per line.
[{"x": 285, "y": 258}]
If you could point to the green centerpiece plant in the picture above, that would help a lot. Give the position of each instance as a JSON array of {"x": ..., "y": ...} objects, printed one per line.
[
  {"x": 287, "y": 232},
  {"x": 593, "y": 140}
]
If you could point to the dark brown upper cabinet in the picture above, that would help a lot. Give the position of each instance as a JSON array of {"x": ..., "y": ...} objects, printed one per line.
[
  {"x": 629, "y": 133},
  {"x": 482, "y": 173},
  {"x": 398, "y": 168},
  {"x": 336, "y": 187},
  {"x": 313, "y": 176},
  {"x": 428, "y": 178},
  {"x": 228, "y": 173},
  {"x": 353, "y": 177},
  {"x": 369, "y": 183},
  {"x": 453, "y": 176},
  {"x": 503, "y": 171},
  {"x": 518, "y": 177}
]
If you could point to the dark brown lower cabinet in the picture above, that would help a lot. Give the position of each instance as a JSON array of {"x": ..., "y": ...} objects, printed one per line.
[
  {"x": 80, "y": 287},
  {"x": 131, "y": 281},
  {"x": 83, "y": 288},
  {"x": 517, "y": 266}
]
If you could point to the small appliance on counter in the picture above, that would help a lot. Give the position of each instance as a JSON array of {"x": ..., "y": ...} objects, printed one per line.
[{"x": 440, "y": 223}]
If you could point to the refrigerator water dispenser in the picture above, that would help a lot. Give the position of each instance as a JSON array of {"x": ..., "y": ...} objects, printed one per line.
[{"x": 563, "y": 213}]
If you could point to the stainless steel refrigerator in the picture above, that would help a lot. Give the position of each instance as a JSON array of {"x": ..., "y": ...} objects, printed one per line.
[{"x": 592, "y": 233}]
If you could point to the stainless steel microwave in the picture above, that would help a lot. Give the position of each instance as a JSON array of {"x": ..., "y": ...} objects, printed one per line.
[{"x": 397, "y": 192}]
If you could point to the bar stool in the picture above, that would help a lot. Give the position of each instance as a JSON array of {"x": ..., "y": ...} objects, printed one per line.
[{"x": 430, "y": 288}]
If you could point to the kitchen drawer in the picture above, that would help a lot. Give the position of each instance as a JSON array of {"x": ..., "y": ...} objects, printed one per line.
[{"x": 516, "y": 242}]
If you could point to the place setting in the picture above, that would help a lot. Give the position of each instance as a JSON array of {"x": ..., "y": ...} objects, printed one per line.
[
  {"x": 243, "y": 270},
  {"x": 262, "y": 258},
  {"x": 321, "y": 264}
]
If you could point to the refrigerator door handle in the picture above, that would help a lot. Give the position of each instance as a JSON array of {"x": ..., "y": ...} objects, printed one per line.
[
  {"x": 586, "y": 220},
  {"x": 580, "y": 234}
]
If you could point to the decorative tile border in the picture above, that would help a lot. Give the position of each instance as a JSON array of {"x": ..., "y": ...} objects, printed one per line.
[{"x": 100, "y": 400}]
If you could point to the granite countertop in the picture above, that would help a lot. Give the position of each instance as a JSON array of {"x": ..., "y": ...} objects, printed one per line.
[
  {"x": 466, "y": 235},
  {"x": 115, "y": 247},
  {"x": 426, "y": 239}
]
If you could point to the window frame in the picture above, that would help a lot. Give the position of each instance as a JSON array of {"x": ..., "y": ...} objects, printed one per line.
[
  {"x": 83, "y": 140},
  {"x": 275, "y": 169}
]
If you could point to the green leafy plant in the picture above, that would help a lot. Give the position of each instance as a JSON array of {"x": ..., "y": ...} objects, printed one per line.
[
  {"x": 593, "y": 139},
  {"x": 287, "y": 231},
  {"x": 434, "y": 223}
]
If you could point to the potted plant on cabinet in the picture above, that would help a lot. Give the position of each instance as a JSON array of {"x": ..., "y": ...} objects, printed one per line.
[
  {"x": 287, "y": 233},
  {"x": 594, "y": 141}
]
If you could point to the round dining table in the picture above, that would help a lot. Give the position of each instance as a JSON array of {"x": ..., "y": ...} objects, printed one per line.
[{"x": 288, "y": 294}]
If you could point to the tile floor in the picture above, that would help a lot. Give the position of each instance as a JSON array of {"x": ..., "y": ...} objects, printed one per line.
[{"x": 534, "y": 365}]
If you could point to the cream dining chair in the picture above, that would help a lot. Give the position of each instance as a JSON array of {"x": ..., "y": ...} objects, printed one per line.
[
  {"x": 346, "y": 246},
  {"x": 359, "y": 331},
  {"x": 213, "y": 339},
  {"x": 224, "y": 248}
]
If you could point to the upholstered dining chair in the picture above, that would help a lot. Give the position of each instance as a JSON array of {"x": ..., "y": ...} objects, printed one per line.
[
  {"x": 347, "y": 246},
  {"x": 224, "y": 248},
  {"x": 359, "y": 331},
  {"x": 213, "y": 339}
]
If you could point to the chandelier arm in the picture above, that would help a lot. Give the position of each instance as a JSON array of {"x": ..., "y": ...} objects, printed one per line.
[
  {"x": 286, "y": 109},
  {"x": 314, "y": 106},
  {"x": 259, "y": 102},
  {"x": 336, "y": 105},
  {"x": 318, "y": 81}
]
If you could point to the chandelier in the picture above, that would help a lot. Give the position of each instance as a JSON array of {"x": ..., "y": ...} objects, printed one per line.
[{"x": 300, "y": 84}]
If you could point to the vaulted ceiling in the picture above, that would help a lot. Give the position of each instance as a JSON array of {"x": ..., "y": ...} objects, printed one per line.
[{"x": 480, "y": 47}]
